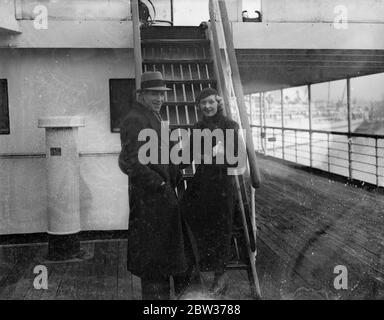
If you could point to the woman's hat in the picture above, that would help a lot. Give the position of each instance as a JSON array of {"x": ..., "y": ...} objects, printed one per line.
[
  {"x": 153, "y": 80},
  {"x": 206, "y": 93}
]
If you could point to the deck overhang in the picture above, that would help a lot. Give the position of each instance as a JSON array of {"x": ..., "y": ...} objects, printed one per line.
[
  {"x": 279, "y": 55},
  {"x": 272, "y": 69}
]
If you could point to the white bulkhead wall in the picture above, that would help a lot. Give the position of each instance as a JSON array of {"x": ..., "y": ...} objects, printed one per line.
[
  {"x": 193, "y": 12},
  {"x": 367, "y": 11},
  {"x": 76, "y": 9},
  {"x": 61, "y": 82}
]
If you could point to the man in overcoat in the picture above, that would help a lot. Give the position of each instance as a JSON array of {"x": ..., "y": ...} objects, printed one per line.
[{"x": 156, "y": 244}]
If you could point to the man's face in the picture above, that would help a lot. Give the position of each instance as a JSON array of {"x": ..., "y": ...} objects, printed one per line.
[
  {"x": 209, "y": 105},
  {"x": 153, "y": 99}
]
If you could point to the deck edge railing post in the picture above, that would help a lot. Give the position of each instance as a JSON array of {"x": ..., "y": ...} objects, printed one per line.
[
  {"x": 250, "y": 113},
  {"x": 349, "y": 128},
  {"x": 310, "y": 126},
  {"x": 282, "y": 123},
  {"x": 283, "y": 141},
  {"x": 261, "y": 99},
  {"x": 328, "y": 154},
  {"x": 350, "y": 156},
  {"x": 296, "y": 145},
  {"x": 377, "y": 162}
]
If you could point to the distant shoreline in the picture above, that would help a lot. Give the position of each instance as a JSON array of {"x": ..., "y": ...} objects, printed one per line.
[{"x": 374, "y": 127}]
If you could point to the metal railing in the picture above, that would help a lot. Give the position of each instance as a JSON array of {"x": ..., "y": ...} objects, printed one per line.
[{"x": 356, "y": 156}]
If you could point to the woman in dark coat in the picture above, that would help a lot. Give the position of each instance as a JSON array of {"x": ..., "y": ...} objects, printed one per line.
[{"x": 208, "y": 202}]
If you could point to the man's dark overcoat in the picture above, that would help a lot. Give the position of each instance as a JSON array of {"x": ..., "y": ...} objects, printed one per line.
[{"x": 155, "y": 235}]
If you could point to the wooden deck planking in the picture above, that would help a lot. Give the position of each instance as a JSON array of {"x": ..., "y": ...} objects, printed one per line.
[
  {"x": 103, "y": 277},
  {"x": 339, "y": 235},
  {"x": 316, "y": 265},
  {"x": 300, "y": 213},
  {"x": 324, "y": 212},
  {"x": 67, "y": 288},
  {"x": 129, "y": 285},
  {"x": 314, "y": 205},
  {"x": 312, "y": 262},
  {"x": 25, "y": 289},
  {"x": 289, "y": 202},
  {"x": 19, "y": 278},
  {"x": 107, "y": 260},
  {"x": 283, "y": 269},
  {"x": 312, "y": 229},
  {"x": 84, "y": 276},
  {"x": 96, "y": 278},
  {"x": 7, "y": 264},
  {"x": 274, "y": 282},
  {"x": 239, "y": 286},
  {"x": 124, "y": 278},
  {"x": 55, "y": 278}
]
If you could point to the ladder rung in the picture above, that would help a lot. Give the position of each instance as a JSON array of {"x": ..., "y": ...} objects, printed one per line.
[
  {"x": 172, "y": 32},
  {"x": 237, "y": 265},
  {"x": 180, "y": 103},
  {"x": 187, "y": 176},
  {"x": 195, "y": 81},
  {"x": 175, "y": 41},
  {"x": 176, "y": 61},
  {"x": 181, "y": 126}
]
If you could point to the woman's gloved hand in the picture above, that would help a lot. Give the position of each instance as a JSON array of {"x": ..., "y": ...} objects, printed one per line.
[{"x": 218, "y": 149}]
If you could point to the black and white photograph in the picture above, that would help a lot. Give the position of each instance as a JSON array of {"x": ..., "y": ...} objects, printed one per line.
[{"x": 191, "y": 150}]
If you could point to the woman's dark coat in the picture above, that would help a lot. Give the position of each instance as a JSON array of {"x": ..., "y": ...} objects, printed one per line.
[
  {"x": 155, "y": 235},
  {"x": 208, "y": 203}
]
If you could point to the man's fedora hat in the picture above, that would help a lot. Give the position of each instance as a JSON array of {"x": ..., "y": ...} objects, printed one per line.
[{"x": 153, "y": 80}]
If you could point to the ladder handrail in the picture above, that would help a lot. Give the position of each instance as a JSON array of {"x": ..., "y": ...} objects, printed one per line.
[
  {"x": 222, "y": 88},
  {"x": 231, "y": 88},
  {"x": 136, "y": 42},
  {"x": 234, "y": 81}
]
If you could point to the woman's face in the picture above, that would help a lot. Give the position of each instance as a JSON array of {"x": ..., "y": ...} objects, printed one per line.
[{"x": 209, "y": 105}]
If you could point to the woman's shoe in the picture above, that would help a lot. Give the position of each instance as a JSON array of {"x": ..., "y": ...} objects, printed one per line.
[
  {"x": 219, "y": 290},
  {"x": 220, "y": 285}
]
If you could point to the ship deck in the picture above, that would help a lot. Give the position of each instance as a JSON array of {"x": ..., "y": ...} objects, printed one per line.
[
  {"x": 307, "y": 225},
  {"x": 102, "y": 275}
]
